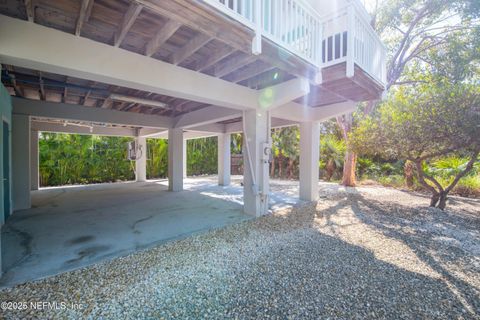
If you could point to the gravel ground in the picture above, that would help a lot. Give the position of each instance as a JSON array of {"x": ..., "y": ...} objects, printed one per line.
[{"x": 368, "y": 252}]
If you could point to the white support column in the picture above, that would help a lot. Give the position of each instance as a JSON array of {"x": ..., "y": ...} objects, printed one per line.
[
  {"x": 184, "y": 149},
  {"x": 21, "y": 161},
  {"x": 309, "y": 157},
  {"x": 175, "y": 159},
  {"x": 34, "y": 160},
  {"x": 141, "y": 163},
  {"x": 255, "y": 172},
  {"x": 224, "y": 159}
]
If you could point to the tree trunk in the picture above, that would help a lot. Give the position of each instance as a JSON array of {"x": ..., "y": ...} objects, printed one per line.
[
  {"x": 290, "y": 169},
  {"x": 280, "y": 165},
  {"x": 434, "y": 200},
  {"x": 349, "y": 166},
  {"x": 345, "y": 122},
  {"x": 443, "y": 200},
  {"x": 330, "y": 168},
  {"x": 408, "y": 171}
]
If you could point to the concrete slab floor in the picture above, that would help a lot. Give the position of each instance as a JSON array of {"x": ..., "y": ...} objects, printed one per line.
[
  {"x": 71, "y": 227},
  {"x": 75, "y": 226}
]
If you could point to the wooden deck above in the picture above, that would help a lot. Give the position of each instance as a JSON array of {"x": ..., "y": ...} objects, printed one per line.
[{"x": 185, "y": 33}]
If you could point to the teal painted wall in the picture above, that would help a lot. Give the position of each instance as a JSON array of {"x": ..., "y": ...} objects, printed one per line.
[{"x": 5, "y": 115}]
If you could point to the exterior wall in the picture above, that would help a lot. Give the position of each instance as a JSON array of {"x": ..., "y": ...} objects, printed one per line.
[
  {"x": 326, "y": 7},
  {"x": 5, "y": 115},
  {"x": 21, "y": 161}
]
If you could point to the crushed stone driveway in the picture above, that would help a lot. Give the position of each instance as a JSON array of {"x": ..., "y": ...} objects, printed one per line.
[{"x": 368, "y": 252}]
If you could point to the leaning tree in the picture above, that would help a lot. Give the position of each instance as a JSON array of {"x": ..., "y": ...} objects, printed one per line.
[
  {"x": 411, "y": 30},
  {"x": 422, "y": 123}
]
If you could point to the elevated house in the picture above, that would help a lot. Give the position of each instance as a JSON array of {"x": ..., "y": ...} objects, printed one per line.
[{"x": 181, "y": 69}]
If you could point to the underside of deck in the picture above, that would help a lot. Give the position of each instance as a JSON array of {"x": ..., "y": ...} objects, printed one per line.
[{"x": 184, "y": 33}]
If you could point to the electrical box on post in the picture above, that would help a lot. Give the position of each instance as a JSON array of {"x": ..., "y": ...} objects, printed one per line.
[
  {"x": 266, "y": 152},
  {"x": 132, "y": 148}
]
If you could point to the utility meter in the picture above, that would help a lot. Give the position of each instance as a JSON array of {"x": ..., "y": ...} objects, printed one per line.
[
  {"x": 267, "y": 152},
  {"x": 134, "y": 150}
]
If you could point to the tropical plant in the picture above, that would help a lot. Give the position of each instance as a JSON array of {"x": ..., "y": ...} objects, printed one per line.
[
  {"x": 421, "y": 124},
  {"x": 332, "y": 152}
]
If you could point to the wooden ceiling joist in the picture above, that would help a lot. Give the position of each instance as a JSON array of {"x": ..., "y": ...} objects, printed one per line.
[
  {"x": 250, "y": 71},
  {"x": 190, "y": 48},
  {"x": 16, "y": 88},
  {"x": 188, "y": 14},
  {"x": 161, "y": 37},
  {"x": 107, "y": 103},
  {"x": 230, "y": 66},
  {"x": 87, "y": 95},
  {"x": 65, "y": 91},
  {"x": 128, "y": 20},
  {"x": 84, "y": 15},
  {"x": 214, "y": 58},
  {"x": 42, "y": 87}
]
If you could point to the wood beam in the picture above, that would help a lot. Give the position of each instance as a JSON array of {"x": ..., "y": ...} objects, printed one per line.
[
  {"x": 65, "y": 91},
  {"x": 213, "y": 59},
  {"x": 188, "y": 49},
  {"x": 89, "y": 92},
  {"x": 18, "y": 90},
  {"x": 54, "y": 110},
  {"x": 237, "y": 127},
  {"x": 210, "y": 23},
  {"x": 282, "y": 93},
  {"x": 29, "y": 10},
  {"x": 161, "y": 37},
  {"x": 84, "y": 15},
  {"x": 42, "y": 87},
  {"x": 107, "y": 103},
  {"x": 204, "y": 18},
  {"x": 40, "y": 125},
  {"x": 128, "y": 20},
  {"x": 297, "y": 112},
  {"x": 204, "y": 116},
  {"x": 230, "y": 66},
  {"x": 90, "y": 60}
]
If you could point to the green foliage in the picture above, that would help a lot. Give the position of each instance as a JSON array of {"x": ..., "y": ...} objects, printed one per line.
[
  {"x": 75, "y": 159},
  {"x": 393, "y": 180},
  {"x": 469, "y": 186},
  {"x": 202, "y": 156},
  {"x": 332, "y": 148},
  {"x": 237, "y": 139},
  {"x": 332, "y": 153},
  {"x": 82, "y": 159},
  {"x": 422, "y": 122},
  {"x": 157, "y": 159}
]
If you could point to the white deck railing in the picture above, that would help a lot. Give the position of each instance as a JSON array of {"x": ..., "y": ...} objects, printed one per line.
[{"x": 322, "y": 41}]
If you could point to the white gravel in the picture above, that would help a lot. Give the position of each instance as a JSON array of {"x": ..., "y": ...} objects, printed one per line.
[{"x": 368, "y": 252}]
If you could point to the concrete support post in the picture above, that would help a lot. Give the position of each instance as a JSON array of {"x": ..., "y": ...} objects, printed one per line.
[
  {"x": 175, "y": 159},
  {"x": 224, "y": 159},
  {"x": 184, "y": 158},
  {"x": 309, "y": 157},
  {"x": 255, "y": 172},
  {"x": 21, "y": 162},
  {"x": 34, "y": 160},
  {"x": 141, "y": 163}
]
